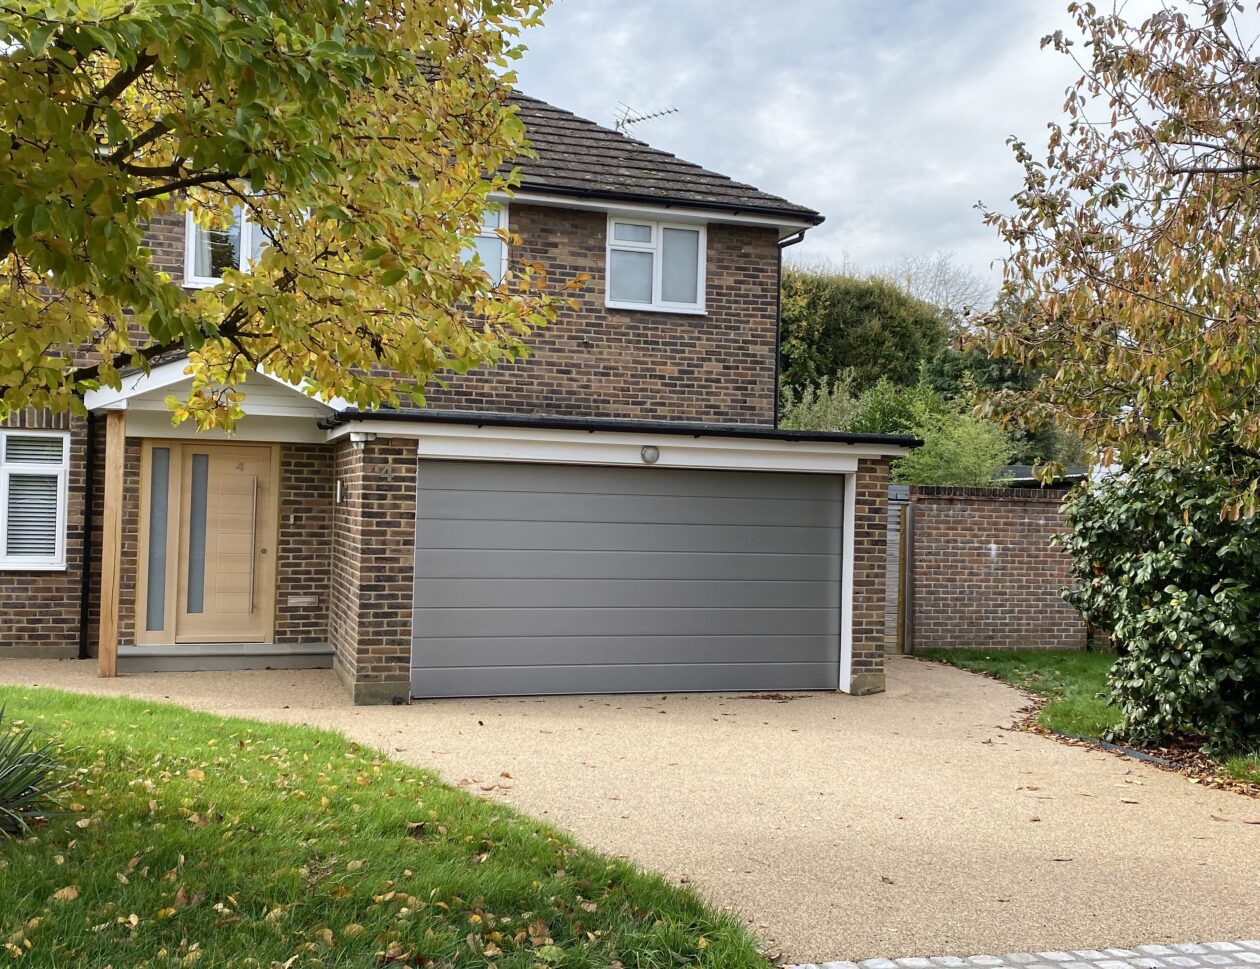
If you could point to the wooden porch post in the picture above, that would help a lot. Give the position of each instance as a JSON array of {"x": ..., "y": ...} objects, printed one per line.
[{"x": 111, "y": 540}]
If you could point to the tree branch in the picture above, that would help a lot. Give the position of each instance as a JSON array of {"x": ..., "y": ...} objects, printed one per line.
[
  {"x": 192, "y": 181},
  {"x": 117, "y": 84},
  {"x": 133, "y": 145},
  {"x": 1215, "y": 170}
]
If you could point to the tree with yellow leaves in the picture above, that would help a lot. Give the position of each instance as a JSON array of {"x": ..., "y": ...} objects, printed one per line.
[{"x": 362, "y": 138}]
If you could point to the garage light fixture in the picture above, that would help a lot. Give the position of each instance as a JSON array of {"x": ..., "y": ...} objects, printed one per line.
[{"x": 650, "y": 454}]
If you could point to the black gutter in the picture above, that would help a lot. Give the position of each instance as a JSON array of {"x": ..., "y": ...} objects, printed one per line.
[
  {"x": 666, "y": 201},
  {"x": 778, "y": 315},
  {"x": 89, "y": 520},
  {"x": 594, "y": 424}
]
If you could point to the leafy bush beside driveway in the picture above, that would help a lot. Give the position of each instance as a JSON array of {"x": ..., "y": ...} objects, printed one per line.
[
  {"x": 198, "y": 840},
  {"x": 1173, "y": 581}
]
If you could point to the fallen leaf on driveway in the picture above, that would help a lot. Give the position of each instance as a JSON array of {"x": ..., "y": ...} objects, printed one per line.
[
  {"x": 886, "y": 880},
  {"x": 1125, "y": 800}
]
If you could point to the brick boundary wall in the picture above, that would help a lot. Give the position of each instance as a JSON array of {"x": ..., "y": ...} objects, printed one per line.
[{"x": 985, "y": 572}]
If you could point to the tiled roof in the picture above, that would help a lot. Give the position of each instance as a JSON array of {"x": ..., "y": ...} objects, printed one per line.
[{"x": 577, "y": 157}]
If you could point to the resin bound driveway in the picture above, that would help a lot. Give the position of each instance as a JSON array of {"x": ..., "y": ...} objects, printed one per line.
[{"x": 912, "y": 823}]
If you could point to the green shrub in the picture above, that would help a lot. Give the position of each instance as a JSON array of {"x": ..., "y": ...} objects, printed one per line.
[
  {"x": 886, "y": 408},
  {"x": 828, "y": 407},
  {"x": 959, "y": 450},
  {"x": 1176, "y": 586},
  {"x": 31, "y": 774}
]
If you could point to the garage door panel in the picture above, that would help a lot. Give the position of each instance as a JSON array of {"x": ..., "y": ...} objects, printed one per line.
[
  {"x": 616, "y": 621},
  {"x": 582, "y": 679},
  {"x": 623, "y": 650},
  {"x": 668, "y": 509},
  {"x": 616, "y": 536},
  {"x": 554, "y": 579},
  {"x": 567, "y": 479},
  {"x": 534, "y": 593},
  {"x": 562, "y": 564}
]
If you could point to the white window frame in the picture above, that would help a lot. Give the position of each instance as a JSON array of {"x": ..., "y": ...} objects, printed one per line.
[
  {"x": 192, "y": 227},
  {"x": 655, "y": 247},
  {"x": 35, "y": 563},
  {"x": 492, "y": 220}
]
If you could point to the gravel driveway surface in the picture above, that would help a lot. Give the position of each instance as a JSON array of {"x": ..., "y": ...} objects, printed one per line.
[{"x": 841, "y": 828}]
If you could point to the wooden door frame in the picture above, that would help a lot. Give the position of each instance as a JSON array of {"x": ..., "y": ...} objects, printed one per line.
[{"x": 175, "y": 495}]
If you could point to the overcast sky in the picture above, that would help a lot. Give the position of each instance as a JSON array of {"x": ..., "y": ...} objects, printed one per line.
[{"x": 888, "y": 116}]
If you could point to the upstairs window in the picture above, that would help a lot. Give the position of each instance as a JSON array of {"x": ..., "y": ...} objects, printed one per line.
[
  {"x": 655, "y": 266},
  {"x": 34, "y": 482},
  {"x": 207, "y": 252},
  {"x": 488, "y": 246}
]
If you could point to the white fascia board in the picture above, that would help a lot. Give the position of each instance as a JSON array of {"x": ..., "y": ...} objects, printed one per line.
[
  {"x": 138, "y": 386},
  {"x": 671, "y": 213},
  {"x": 465, "y": 442},
  {"x": 269, "y": 429},
  {"x": 159, "y": 378}
]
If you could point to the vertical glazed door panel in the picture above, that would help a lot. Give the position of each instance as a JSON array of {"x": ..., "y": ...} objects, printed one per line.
[{"x": 226, "y": 571}]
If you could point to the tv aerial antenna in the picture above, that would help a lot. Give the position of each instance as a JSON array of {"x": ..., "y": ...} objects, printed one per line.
[{"x": 628, "y": 117}]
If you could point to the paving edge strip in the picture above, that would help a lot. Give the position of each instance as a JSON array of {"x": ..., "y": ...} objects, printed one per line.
[{"x": 1243, "y": 954}]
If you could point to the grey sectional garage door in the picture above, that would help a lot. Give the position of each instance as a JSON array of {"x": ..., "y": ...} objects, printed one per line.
[{"x": 534, "y": 579}]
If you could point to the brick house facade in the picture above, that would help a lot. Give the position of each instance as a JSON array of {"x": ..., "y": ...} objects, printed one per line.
[
  {"x": 600, "y": 362},
  {"x": 325, "y": 549}
]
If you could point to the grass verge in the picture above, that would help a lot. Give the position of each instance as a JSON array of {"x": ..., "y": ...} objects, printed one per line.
[
  {"x": 1244, "y": 767},
  {"x": 1074, "y": 684},
  {"x": 196, "y": 840}
]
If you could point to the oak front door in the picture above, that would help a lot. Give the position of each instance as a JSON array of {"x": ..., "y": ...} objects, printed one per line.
[{"x": 208, "y": 541}]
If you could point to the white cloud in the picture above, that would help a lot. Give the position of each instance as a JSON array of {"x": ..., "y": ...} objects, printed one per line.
[{"x": 890, "y": 118}]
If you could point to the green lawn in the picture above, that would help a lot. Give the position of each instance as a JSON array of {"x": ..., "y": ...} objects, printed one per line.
[
  {"x": 1075, "y": 683},
  {"x": 196, "y": 840}
]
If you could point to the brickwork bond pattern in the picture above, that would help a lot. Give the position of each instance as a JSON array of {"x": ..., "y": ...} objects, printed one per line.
[{"x": 985, "y": 572}]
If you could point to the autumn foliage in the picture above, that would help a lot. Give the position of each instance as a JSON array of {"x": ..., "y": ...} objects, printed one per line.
[
  {"x": 364, "y": 139},
  {"x": 1134, "y": 243}
]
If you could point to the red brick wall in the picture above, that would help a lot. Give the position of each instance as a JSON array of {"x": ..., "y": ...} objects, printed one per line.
[
  {"x": 985, "y": 573},
  {"x": 374, "y": 567},
  {"x": 304, "y": 544},
  {"x": 599, "y": 362},
  {"x": 40, "y": 611},
  {"x": 869, "y": 573}
]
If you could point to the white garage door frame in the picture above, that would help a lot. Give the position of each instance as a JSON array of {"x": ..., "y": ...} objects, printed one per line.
[{"x": 550, "y": 445}]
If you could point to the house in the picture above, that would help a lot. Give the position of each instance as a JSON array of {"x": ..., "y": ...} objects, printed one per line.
[{"x": 616, "y": 513}]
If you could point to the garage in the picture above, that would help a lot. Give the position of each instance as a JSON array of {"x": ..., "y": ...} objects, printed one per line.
[{"x": 550, "y": 578}]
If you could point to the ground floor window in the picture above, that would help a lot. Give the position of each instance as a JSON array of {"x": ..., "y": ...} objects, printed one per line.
[{"x": 34, "y": 485}]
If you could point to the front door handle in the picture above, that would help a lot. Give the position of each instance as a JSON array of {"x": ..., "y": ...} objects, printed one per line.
[{"x": 253, "y": 542}]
